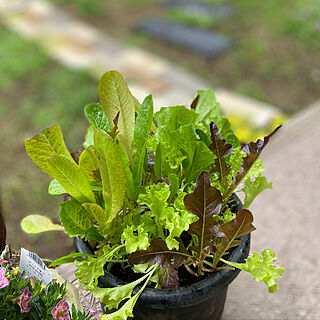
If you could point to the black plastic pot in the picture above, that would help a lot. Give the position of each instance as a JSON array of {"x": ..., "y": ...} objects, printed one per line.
[{"x": 203, "y": 300}]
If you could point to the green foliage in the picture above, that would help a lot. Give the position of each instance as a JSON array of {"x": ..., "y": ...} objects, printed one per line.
[
  {"x": 41, "y": 301},
  {"x": 170, "y": 213},
  {"x": 116, "y": 97},
  {"x": 45, "y": 145},
  {"x": 141, "y": 134},
  {"x": 112, "y": 173},
  {"x": 261, "y": 269},
  {"x": 74, "y": 218},
  {"x": 37, "y": 224},
  {"x": 97, "y": 117},
  {"x": 71, "y": 178}
]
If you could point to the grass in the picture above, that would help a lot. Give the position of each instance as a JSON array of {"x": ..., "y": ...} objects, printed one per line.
[
  {"x": 35, "y": 92},
  {"x": 275, "y": 53}
]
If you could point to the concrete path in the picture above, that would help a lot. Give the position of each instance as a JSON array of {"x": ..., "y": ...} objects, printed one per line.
[
  {"x": 79, "y": 45},
  {"x": 287, "y": 219}
]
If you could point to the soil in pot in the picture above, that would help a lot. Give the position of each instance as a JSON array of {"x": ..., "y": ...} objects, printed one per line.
[{"x": 201, "y": 300}]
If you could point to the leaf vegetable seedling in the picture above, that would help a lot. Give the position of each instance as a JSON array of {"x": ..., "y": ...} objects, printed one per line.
[{"x": 150, "y": 192}]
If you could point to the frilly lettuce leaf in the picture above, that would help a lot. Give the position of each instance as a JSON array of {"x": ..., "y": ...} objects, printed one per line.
[
  {"x": 135, "y": 238},
  {"x": 253, "y": 188},
  {"x": 261, "y": 269}
]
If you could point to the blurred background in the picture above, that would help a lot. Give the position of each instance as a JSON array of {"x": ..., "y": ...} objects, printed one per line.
[{"x": 259, "y": 55}]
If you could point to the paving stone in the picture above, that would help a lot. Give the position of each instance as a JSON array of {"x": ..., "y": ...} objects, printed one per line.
[
  {"x": 201, "y": 41},
  {"x": 211, "y": 10}
]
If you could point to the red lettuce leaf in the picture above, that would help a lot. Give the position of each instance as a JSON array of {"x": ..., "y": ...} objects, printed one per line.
[
  {"x": 204, "y": 202},
  {"x": 195, "y": 102},
  {"x": 160, "y": 254},
  {"x": 241, "y": 225},
  {"x": 221, "y": 149},
  {"x": 253, "y": 151}
]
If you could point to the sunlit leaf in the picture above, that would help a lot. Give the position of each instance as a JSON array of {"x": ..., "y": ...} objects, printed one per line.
[{"x": 37, "y": 224}]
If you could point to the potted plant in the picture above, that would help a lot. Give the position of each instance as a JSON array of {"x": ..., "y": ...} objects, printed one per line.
[
  {"x": 26, "y": 297},
  {"x": 151, "y": 200}
]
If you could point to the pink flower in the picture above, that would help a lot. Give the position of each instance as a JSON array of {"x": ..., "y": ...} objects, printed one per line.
[
  {"x": 3, "y": 261},
  {"x": 24, "y": 299},
  {"x": 95, "y": 314},
  {"x": 31, "y": 279},
  {"x": 3, "y": 280},
  {"x": 60, "y": 311}
]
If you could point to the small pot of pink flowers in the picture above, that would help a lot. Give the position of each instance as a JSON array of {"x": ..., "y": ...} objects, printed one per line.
[{"x": 23, "y": 297}]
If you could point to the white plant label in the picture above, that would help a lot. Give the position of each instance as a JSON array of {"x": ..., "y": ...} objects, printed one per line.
[{"x": 33, "y": 266}]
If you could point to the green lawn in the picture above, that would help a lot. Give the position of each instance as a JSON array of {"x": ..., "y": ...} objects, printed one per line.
[
  {"x": 275, "y": 53},
  {"x": 35, "y": 92}
]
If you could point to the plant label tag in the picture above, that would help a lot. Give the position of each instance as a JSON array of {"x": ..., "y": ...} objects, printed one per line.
[{"x": 33, "y": 266}]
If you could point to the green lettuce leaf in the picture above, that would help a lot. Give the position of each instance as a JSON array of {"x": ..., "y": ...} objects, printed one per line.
[
  {"x": 112, "y": 172},
  {"x": 127, "y": 309},
  {"x": 45, "y": 145},
  {"x": 207, "y": 107},
  {"x": 261, "y": 269},
  {"x": 74, "y": 218},
  {"x": 88, "y": 164},
  {"x": 135, "y": 238},
  {"x": 172, "y": 118},
  {"x": 56, "y": 188},
  {"x": 92, "y": 268},
  {"x": 76, "y": 256},
  {"x": 97, "y": 117},
  {"x": 89, "y": 137},
  {"x": 71, "y": 178},
  {"x": 141, "y": 134},
  {"x": 209, "y": 111},
  {"x": 112, "y": 297},
  {"x": 36, "y": 224},
  {"x": 115, "y": 97},
  {"x": 202, "y": 159},
  {"x": 177, "y": 136},
  {"x": 97, "y": 213},
  {"x": 253, "y": 188}
]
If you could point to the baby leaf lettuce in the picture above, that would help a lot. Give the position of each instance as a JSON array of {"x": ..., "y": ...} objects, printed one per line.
[
  {"x": 231, "y": 231},
  {"x": 169, "y": 260},
  {"x": 97, "y": 117},
  {"x": 112, "y": 173},
  {"x": 253, "y": 151},
  {"x": 141, "y": 134},
  {"x": 71, "y": 178},
  {"x": 221, "y": 149},
  {"x": 253, "y": 188},
  {"x": 36, "y": 224},
  {"x": 45, "y": 145},
  {"x": 208, "y": 109},
  {"x": 115, "y": 97},
  {"x": 74, "y": 218},
  {"x": 88, "y": 164},
  {"x": 261, "y": 269},
  {"x": 126, "y": 310},
  {"x": 204, "y": 202}
]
